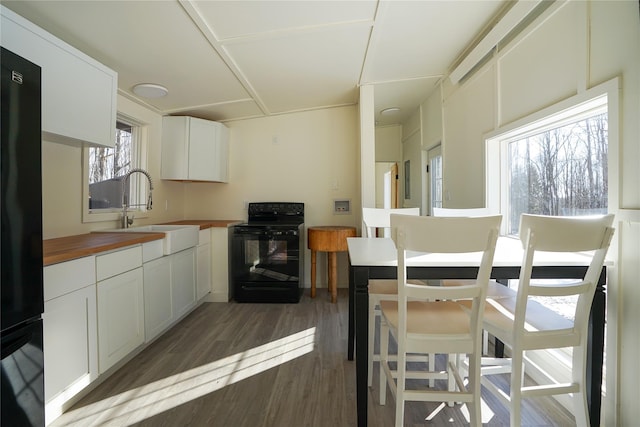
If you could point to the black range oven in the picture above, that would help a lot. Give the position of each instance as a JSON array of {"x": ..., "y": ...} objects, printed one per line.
[{"x": 266, "y": 262}]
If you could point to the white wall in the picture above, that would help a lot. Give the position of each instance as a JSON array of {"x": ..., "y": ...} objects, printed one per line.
[
  {"x": 388, "y": 151},
  {"x": 308, "y": 157},
  {"x": 389, "y": 143},
  {"x": 574, "y": 46},
  {"x": 62, "y": 182},
  {"x": 412, "y": 152}
]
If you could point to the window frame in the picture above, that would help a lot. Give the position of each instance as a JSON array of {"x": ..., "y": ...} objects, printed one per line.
[
  {"x": 567, "y": 111},
  {"x": 138, "y": 160}
]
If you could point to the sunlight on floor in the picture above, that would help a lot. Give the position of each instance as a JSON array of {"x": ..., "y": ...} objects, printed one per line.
[{"x": 151, "y": 399}]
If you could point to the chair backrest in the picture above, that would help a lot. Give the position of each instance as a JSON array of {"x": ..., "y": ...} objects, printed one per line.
[
  {"x": 374, "y": 218},
  {"x": 591, "y": 236},
  {"x": 446, "y": 235},
  {"x": 468, "y": 212}
]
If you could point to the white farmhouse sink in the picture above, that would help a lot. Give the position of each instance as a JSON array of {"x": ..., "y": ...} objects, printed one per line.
[{"x": 176, "y": 237}]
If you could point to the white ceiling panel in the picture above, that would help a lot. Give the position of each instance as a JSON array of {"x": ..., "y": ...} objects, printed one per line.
[
  {"x": 423, "y": 38},
  {"x": 221, "y": 112},
  {"x": 231, "y": 19},
  {"x": 313, "y": 68},
  {"x": 399, "y": 94},
  {"x": 227, "y": 60}
]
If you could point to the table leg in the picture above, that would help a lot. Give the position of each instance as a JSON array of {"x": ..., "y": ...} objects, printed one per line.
[
  {"x": 313, "y": 273},
  {"x": 329, "y": 273},
  {"x": 595, "y": 351},
  {"x": 362, "y": 355},
  {"x": 333, "y": 276},
  {"x": 352, "y": 313}
]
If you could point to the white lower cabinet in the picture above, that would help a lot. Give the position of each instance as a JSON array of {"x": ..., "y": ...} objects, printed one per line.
[
  {"x": 219, "y": 264},
  {"x": 203, "y": 272},
  {"x": 183, "y": 281},
  {"x": 158, "y": 312},
  {"x": 99, "y": 309},
  {"x": 70, "y": 332},
  {"x": 120, "y": 316}
]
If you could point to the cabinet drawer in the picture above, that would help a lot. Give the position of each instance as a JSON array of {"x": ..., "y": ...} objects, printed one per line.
[
  {"x": 204, "y": 236},
  {"x": 152, "y": 250},
  {"x": 114, "y": 263},
  {"x": 66, "y": 277}
]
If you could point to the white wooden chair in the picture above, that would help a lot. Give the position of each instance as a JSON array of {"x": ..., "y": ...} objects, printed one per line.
[
  {"x": 429, "y": 319},
  {"x": 524, "y": 325},
  {"x": 494, "y": 288},
  {"x": 372, "y": 220}
]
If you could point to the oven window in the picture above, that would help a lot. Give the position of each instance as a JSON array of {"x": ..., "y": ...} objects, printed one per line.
[
  {"x": 270, "y": 251},
  {"x": 265, "y": 258}
]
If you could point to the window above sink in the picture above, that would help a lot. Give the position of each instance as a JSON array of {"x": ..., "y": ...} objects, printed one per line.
[{"x": 103, "y": 169}]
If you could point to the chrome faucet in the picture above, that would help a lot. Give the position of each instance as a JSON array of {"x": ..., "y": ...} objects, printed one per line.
[{"x": 126, "y": 221}]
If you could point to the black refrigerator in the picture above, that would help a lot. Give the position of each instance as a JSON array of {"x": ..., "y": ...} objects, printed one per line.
[{"x": 22, "y": 393}]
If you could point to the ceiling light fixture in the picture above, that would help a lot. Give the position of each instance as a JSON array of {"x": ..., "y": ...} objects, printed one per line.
[
  {"x": 150, "y": 90},
  {"x": 389, "y": 111}
]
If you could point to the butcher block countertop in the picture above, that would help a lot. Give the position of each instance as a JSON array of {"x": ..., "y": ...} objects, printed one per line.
[
  {"x": 71, "y": 247},
  {"x": 206, "y": 223}
]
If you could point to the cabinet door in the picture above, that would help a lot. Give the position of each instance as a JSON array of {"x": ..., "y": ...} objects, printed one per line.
[
  {"x": 175, "y": 149},
  {"x": 202, "y": 149},
  {"x": 219, "y": 264},
  {"x": 158, "y": 313},
  {"x": 78, "y": 93},
  {"x": 70, "y": 343},
  {"x": 203, "y": 277},
  {"x": 120, "y": 317},
  {"x": 221, "y": 155},
  {"x": 183, "y": 281}
]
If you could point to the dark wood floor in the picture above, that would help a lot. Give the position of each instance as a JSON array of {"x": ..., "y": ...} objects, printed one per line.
[{"x": 267, "y": 365}]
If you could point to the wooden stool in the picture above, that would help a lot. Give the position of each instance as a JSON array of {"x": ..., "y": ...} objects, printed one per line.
[{"x": 330, "y": 239}]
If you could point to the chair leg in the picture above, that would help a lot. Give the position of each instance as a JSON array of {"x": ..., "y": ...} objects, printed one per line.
[
  {"x": 485, "y": 343},
  {"x": 517, "y": 378},
  {"x": 384, "y": 358},
  {"x": 400, "y": 385},
  {"x": 372, "y": 332},
  {"x": 578, "y": 373},
  {"x": 431, "y": 360},
  {"x": 474, "y": 386},
  {"x": 452, "y": 363}
]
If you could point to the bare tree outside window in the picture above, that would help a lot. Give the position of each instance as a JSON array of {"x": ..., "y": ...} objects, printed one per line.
[
  {"x": 106, "y": 168},
  {"x": 562, "y": 171}
]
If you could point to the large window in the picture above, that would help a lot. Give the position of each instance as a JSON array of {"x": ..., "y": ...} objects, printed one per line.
[
  {"x": 559, "y": 171},
  {"x": 554, "y": 165}
]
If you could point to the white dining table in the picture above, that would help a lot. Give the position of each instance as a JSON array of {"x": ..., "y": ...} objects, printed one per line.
[{"x": 376, "y": 258}]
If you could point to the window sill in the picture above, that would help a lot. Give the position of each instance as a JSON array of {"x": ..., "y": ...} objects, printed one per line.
[{"x": 111, "y": 215}]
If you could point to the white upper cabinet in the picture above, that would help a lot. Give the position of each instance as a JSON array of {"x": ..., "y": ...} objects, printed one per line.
[
  {"x": 78, "y": 93},
  {"x": 194, "y": 149}
]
